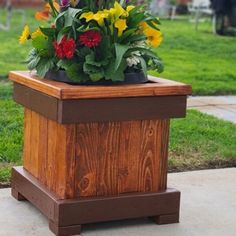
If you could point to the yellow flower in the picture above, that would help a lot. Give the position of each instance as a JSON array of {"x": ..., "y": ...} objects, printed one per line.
[
  {"x": 37, "y": 33},
  {"x": 25, "y": 35},
  {"x": 121, "y": 26},
  {"x": 87, "y": 15},
  {"x": 129, "y": 8},
  {"x": 117, "y": 11},
  {"x": 98, "y": 17},
  {"x": 154, "y": 37}
]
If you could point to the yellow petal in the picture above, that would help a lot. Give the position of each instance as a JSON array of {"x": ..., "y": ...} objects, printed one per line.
[
  {"x": 129, "y": 8},
  {"x": 121, "y": 25},
  {"x": 87, "y": 15},
  {"x": 25, "y": 35},
  {"x": 154, "y": 37},
  {"x": 37, "y": 33}
]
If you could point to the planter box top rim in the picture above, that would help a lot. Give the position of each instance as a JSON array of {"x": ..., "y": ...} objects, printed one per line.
[{"x": 156, "y": 87}]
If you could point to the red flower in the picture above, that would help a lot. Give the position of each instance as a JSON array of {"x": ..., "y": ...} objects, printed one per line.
[
  {"x": 90, "y": 38},
  {"x": 65, "y": 49}
]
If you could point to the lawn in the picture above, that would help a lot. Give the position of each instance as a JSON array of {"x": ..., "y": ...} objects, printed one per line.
[
  {"x": 204, "y": 60},
  {"x": 199, "y": 58}
]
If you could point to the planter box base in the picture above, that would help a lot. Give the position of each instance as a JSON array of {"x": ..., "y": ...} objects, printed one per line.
[{"x": 66, "y": 216}]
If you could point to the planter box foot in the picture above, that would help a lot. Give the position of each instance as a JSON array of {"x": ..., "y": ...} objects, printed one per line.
[
  {"x": 166, "y": 219},
  {"x": 65, "y": 230},
  {"x": 17, "y": 195}
]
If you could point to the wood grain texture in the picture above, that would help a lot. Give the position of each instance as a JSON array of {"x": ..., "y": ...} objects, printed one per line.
[
  {"x": 96, "y": 159},
  {"x": 157, "y": 87},
  {"x": 121, "y": 157},
  {"x": 49, "y": 153}
]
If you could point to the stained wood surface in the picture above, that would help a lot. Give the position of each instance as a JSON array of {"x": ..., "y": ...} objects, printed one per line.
[
  {"x": 158, "y": 87},
  {"x": 49, "y": 153},
  {"x": 96, "y": 159}
]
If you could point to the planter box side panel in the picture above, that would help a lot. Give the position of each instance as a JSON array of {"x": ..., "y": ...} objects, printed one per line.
[
  {"x": 49, "y": 153},
  {"x": 121, "y": 157},
  {"x": 96, "y": 159}
]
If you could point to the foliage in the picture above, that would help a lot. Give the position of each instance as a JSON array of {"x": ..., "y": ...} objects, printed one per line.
[{"x": 94, "y": 40}]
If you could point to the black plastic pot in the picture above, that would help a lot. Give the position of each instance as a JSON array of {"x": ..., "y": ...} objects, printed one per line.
[{"x": 130, "y": 78}]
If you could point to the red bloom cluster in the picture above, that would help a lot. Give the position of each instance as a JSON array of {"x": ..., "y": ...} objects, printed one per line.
[
  {"x": 90, "y": 38},
  {"x": 65, "y": 49}
]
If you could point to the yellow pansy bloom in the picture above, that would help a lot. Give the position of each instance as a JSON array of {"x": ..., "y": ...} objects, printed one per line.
[
  {"x": 121, "y": 25},
  {"x": 154, "y": 37},
  {"x": 37, "y": 33},
  {"x": 25, "y": 35},
  {"x": 129, "y": 8}
]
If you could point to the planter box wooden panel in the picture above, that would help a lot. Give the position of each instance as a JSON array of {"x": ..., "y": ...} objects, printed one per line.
[
  {"x": 96, "y": 159},
  {"x": 97, "y": 153}
]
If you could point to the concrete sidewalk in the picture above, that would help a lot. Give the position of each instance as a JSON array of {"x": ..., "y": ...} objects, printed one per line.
[
  {"x": 208, "y": 208},
  {"x": 223, "y": 107}
]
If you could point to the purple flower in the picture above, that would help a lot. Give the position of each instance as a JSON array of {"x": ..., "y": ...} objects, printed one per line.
[{"x": 65, "y": 3}]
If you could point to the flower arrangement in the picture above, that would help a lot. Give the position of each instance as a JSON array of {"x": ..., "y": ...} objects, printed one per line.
[{"x": 93, "y": 40}]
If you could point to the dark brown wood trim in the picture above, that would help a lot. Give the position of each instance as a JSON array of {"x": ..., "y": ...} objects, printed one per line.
[
  {"x": 36, "y": 101},
  {"x": 100, "y": 110},
  {"x": 66, "y": 216},
  {"x": 102, "y": 209},
  {"x": 24, "y": 184},
  {"x": 121, "y": 109}
]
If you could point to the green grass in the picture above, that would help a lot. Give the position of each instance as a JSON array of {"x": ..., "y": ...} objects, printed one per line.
[
  {"x": 204, "y": 60},
  {"x": 201, "y": 141},
  {"x": 11, "y": 130}
]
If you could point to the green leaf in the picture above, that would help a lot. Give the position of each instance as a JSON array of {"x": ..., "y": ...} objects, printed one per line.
[
  {"x": 90, "y": 60},
  {"x": 70, "y": 15},
  {"x": 152, "y": 25},
  {"x": 88, "y": 68},
  {"x": 64, "y": 64},
  {"x": 136, "y": 19},
  {"x": 44, "y": 65},
  {"x": 144, "y": 65},
  {"x": 96, "y": 76},
  {"x": 50, "y": 32},
  {"x": 135, "y": 38},
  {"x": 33, "y": 59},
  {"x": 145, "y": 51},
  {"x": 115, "y": 75},
  {"x": 120, "y": 52},
  {"x": 127, "y": 34},
  {"x": 43, "y": 46},
  {"x": 63, "y": 32},
  {"x": 76, "y": 74},
  {"x": 40, "y": 43}
]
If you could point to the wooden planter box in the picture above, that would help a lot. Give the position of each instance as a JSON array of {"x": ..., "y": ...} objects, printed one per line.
[{"x": 97, "y": 153}]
